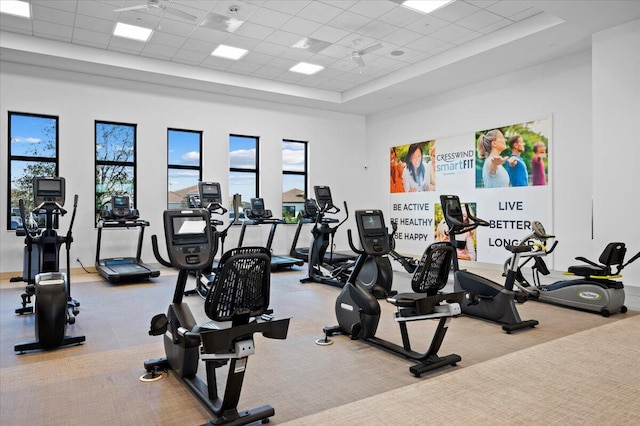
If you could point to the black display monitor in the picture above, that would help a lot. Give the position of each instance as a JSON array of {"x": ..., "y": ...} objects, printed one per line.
[
  {"x": 372, "y": 231},
  {"x": 310, "y": 208},
  {"x": 188, "y": 230},
  {"x": 257, "y": 207},
  {"x": 48, "y": 190},
  {"x": 451, "y": 208},
  {"x": 323, "y": 196},
  {"x": 210, "y": 193},
  {"x": 189, "y": 240}
]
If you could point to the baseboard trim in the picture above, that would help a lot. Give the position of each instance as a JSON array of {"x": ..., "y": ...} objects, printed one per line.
[{"x": 74, "y": 271}]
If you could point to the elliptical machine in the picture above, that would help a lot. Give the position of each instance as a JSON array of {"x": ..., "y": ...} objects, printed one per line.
[
  {"x": 376, "y": 274},
  {"x": 358, "y": 311},
  {"x": 485, "y": 298},
  {"x": 54, "y": 307},
  {"x": 596, "y": 289},
  {"x": 238, "y": 306}
]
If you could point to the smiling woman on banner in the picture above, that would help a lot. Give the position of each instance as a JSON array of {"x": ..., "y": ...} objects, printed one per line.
[
  {"x": 490, "y": 146},
  {"x": 415, "y": 177}
]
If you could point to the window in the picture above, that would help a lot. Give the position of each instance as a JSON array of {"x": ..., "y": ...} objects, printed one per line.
[
  {"x": 115, "y": 162},
  {"x": 33, "y": 151},
  {"x": 243, "y": 169},
  {"x": 184, "y": 166},
  {"x": 294, "y": 179}
]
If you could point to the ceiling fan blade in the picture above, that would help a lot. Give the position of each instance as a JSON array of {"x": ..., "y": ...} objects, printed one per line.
[
  {"x": 177, "y": 12},
  {"x": 370, "y": 49},
  {"x": 358, "y": 59},
  {"x": 126, "y": 9}
]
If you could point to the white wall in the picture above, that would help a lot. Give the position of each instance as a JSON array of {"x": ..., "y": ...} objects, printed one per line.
[
  {"x": 561, "y": 89},
  {"x": 78, "y": 100},
  {"x": 616, "y": 149}
]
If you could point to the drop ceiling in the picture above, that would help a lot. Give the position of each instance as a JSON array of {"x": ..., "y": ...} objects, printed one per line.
[{"x": 415, "y": 55}]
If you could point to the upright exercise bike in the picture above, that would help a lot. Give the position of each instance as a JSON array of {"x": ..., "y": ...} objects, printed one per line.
[
  {"x": 595, "y": 288},
  {"x": 485, "y": 298},
  {"x": 54, "y": 307},
  {"x": 238, "y": 306},
  {"x": 358, "y": 311},
  {"x": 376, "y": 273}
]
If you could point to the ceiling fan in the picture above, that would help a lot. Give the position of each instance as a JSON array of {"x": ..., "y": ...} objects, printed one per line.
[
  {"x": 357, "y": 54},
  {"x": 157, "y": 5}
]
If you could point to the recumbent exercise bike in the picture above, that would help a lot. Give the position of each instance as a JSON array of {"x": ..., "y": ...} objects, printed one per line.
[{"x": 238, "y": 306}]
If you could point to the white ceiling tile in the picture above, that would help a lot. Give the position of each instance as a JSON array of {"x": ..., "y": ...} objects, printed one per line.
[
  {"x": 191, "y": 57},
  {"x": 455, "y": 11},
  {"x": 251, "y": 30},
  {"x": 509, "y": 8},
  {"x": 242, "y": 42},
  {"x": 427, "y": 24},
  {"x": 48, "y": 14},
  {"x": 257, "y": 58},
  {"x": 174, "y": 27},
  {"x": 300, "y": 26},
  {"x": 199, "y": 46},
  {"x": 402, "y": 37},
  {"x": 159, "y": 51},
  {"x": 61, "y": 32},
  {"x": 467, "y": 38},
  {"x": 94, "y": 24},
  {"x": 83, "y": 36},
  {"x": 10, "y": 22},
  {"x": 329, "y": 34},
  {"x": 319, "y": 12},
  {"x": 480, "y": 19},
  {"x": 269, "y": 18},
  {"x": 207, "y": 34},
  {"x": 217, "y": 62},
  {"x": 244, "y": 9},
  {"x": 399, "y": 16},
  {"x": 349, "y": 21},
  {"x": 283, "y": 38},
  {"x": 268, "y": 48},
  {"x": 450, "y": 33},
  {"x": 282, "y": 63},
  {"x": 377, "y": 29},
  {"x": 443, "y": 48},
  {"x": 424, "y": 44},
  {"x": 342, "y": 4},
  {"x": 491, "y": 28},
  {"x": 165, "y": 39},
  {"x": 243, "y": 67},
  {"x": 297, "y": 55},
  {"x": 97, "y": 10},
  {"x": 66, "y": 5},
  {"x": 267, "y": 71},
  {"x": 372, "y": 9},
  {"x": 288, "y": 7}
]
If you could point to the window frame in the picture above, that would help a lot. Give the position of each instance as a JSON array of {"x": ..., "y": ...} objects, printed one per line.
[
  {"x": 133, "y": 163},
  {"x": 29, "y": 158},
  {"x": 255, "y": 171},
  {"x": 304, "y": 173},
  {"x": 184, "y": 166}
]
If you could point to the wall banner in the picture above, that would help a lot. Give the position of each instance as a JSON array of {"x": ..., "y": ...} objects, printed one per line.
[{"x": 502, "y": 173}]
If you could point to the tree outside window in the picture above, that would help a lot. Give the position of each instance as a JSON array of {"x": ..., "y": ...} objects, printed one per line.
[
  {"x": 33, "y": 151},
  {"x": 294, "y": 179},
  {"x": 115, "y": 162}
]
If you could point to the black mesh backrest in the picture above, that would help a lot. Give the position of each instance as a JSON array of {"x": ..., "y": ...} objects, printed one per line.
[
  {"x": 432, "y": 272},
  {"x": 613, "y": 254},
  {"x": 241, "y": 287}
]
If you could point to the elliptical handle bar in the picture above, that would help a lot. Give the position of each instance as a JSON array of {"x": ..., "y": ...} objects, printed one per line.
[
  {"x": 355, "y": 250},
  {"x": 23, "y": 216},
  {"x": 632, "y": 259},
  {"x": 156, "y": 252},
  {"x": 475, "y": 220}
]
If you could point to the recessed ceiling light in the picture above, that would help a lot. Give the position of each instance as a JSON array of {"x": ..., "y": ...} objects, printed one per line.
[
  {"x": 423, "y": 6},
  {"x": 305, "y": 68},
  {"x": 16, "y": 8},
  {"x": 132, "y": 32},
  {"x": 229, "y": 52}
]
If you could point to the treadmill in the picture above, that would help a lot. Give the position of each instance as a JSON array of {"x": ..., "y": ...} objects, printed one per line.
[
  {"x": 309, "y": 216},
  {"x": 118, "y": 214},
  {"x": 258, "y": 216}
]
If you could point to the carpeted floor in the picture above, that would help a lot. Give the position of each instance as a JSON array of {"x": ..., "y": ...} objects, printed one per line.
[{"x": 572, "y": 368}]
